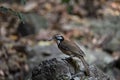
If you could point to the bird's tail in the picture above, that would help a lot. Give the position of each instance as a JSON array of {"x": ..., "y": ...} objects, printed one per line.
[{"x": 85, "y": 65}]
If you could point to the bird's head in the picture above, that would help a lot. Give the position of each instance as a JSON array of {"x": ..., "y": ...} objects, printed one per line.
[{"x": 58, "y": 38}]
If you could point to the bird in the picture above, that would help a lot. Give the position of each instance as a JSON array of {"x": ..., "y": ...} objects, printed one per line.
[{"x": 71, "y": 49}]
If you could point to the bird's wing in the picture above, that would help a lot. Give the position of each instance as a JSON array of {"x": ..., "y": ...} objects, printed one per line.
[{"x": 71, "y": 46}]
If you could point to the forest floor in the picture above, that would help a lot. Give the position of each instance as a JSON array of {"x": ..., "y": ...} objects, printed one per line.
[{"x": 92, "y": 24}]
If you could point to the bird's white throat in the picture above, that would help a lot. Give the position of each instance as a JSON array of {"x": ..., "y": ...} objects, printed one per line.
[{"x": 58, "y": 42}]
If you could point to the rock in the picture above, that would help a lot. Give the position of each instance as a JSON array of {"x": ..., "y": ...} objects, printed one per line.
[
  {"x": 25, "y": 29},
  {"x": 61, "y": 69},
  {"x": 108, "y": 26},
  {"x": 52, "y": 70},
  {"x": 39, "y": 22},
  {"x": 99, "y": 57},
  {"x": 32, "y": 24},
  {"x": 114, "y": 44},
  {"x": 40, "y": 53}
]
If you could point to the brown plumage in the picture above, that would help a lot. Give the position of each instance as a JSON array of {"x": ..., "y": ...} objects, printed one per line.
[{"x": 71, "y": 49}]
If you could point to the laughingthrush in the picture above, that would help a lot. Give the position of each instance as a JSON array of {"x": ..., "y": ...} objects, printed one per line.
[{"x": 71, "y": 49}]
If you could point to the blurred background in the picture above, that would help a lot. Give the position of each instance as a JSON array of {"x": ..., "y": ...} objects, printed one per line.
[{"x": 26, "y": 25}]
